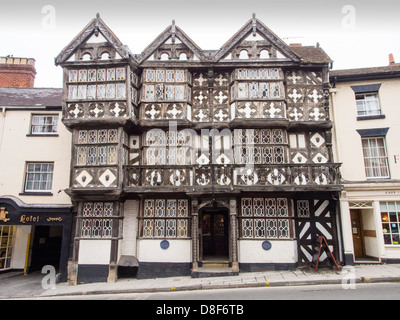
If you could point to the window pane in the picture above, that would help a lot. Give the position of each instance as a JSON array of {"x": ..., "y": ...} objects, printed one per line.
[
  {"x": 367, "y": 104},
  {"x": 375, "y": 158},
  {"x": 44, "y": 124},
  {"x": 39, "y": 177}
]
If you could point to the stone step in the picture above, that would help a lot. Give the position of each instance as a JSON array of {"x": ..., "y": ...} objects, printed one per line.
[
  {"x": 216, "y": 264},
  {"x": 205, "y": 272}
]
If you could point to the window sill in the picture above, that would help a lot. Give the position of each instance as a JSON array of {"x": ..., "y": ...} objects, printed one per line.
[
  {"x": 380, "y": 116},
  {"x": 36, "y": 194},
  {"x": 42, "y": 135}
]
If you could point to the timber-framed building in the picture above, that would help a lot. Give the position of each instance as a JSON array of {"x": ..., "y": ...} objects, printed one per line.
[{"x": 182, "y": 157}]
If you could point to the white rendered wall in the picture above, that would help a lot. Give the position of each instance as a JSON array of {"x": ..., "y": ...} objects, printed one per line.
[
  {"x": 178, "y": 251},
  {"x": 251, "y": 251},
  {"x": 94, "y": 252}
]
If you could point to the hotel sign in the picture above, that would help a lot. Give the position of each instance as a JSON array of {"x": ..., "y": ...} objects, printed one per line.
[{"x": 12, "y": 217}]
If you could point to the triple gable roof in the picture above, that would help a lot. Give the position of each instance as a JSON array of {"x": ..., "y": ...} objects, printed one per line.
[{"x": 173, "y": 35}]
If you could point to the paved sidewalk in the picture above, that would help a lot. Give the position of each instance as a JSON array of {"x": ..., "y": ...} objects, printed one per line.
[{"x": 19, "y": 286}]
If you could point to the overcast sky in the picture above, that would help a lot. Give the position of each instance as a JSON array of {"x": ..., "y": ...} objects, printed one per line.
[{"x": 354, "y": 33}]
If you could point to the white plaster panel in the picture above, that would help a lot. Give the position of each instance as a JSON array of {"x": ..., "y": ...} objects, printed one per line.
[
  {"x": 94, "y": 251},
  {"x": 129, "y": 230},
  {"x": 178, "y": 251},
  {"x": 392, "y": 252},
  {"x": 281, "y": 252}
]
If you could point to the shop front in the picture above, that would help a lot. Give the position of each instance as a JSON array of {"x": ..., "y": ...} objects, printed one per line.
[
  {"x": 371, "y": 220},
  {"x": 33, "y": 236}
]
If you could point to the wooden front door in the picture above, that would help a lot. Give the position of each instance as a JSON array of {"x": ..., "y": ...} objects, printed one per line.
[
  {"x": 356, "y": 229},
  {"x": 214, "y": 234}
]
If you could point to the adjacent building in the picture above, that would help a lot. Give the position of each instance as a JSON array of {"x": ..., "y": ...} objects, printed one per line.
[
  {"x": 35, "y": 212},
  {"x": 364, "y": 106},
  {"x": 183, "y": 157}
]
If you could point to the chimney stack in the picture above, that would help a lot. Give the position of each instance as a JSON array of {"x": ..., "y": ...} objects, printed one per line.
[
  {"x": 391, "y": 59},
  {"x": 17, "y": 72}
]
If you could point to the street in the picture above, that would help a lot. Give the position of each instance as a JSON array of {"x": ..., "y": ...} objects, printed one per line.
[{"x": 367, "y": 291}]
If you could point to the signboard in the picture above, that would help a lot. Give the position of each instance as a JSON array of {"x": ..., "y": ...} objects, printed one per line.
[
  {"x": 321, "y": 245},
  {"x": 12, "y": 214}
]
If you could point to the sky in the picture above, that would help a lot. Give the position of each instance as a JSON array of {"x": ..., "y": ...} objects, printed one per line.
[{"x": 354, "y": 33}]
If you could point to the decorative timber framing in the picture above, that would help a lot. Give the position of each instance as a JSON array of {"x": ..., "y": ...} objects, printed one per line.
[
  {"x": 255, "y": 125},
  {"x": 95, "y": 27}
]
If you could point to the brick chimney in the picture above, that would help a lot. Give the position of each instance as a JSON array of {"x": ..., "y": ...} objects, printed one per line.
[
  {"x": 17, "y": 72},
  {"x": 391, "y": 59}
]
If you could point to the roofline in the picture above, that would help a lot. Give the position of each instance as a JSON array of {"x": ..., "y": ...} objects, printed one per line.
[
  {"x": 33, "y": 107},
  {"x": 364, "y": 76}
]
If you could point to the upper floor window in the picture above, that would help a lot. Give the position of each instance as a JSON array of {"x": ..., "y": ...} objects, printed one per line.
[
  {"x": 368, "y": 104},
  {"x": 367, "y": 99},
  {"x": 375, "y": 157},
  {"x": 44, "y": 124},
  {"x": 39, "y": 177}
]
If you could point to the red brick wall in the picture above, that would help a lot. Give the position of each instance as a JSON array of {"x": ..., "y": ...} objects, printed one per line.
[{"x": 17, "y": 75}]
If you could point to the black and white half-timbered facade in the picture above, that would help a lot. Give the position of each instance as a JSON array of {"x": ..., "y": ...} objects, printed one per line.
[{"x": 183, "y": 157}]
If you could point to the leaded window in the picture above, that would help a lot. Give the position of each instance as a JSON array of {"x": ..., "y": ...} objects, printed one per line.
[
  {"x": 160, "y": 75},
  {"x": 169, "y": 92},
  {"x": 120, "y": 74},
  {"x": 303, "y": 208},
  {"x": 92, "y": 75},
  {"x": 97, "y": 219},
  {"x": 180, "y": 75},
  {"x": 87, "y": 153},
  {"x": 265, "y": 218},
  {"x": 160, "y": 91},
  {"x": 165, "y": 218},
  {"x": 169, "y": 147},
  {"x": 149, "y": 92},
  {"x": 149, "y": 75}
]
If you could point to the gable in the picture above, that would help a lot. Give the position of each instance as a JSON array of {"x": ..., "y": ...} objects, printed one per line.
[
  {"x": 85, "y": 46},
  {"x": 255, "y": 41},
  {"x": 172, "y": 44}
]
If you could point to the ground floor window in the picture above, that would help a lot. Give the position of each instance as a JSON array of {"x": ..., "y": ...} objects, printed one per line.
[
  {"x": 265, "y": 218},
  {"x": 6, "y": 245},
  {"x": 390, "y": 217},
  {"x": 165, "y": 218},
  {"x": 97, "y": 219}
]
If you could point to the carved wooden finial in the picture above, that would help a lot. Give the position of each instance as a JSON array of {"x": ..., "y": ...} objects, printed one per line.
[
  {"x": 96, "y": 25},
  {"x": 173, "y": 30},
  {"x": 254, "y": 24}
]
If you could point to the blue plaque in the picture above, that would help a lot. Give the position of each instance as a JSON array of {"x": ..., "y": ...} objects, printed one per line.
[
  {"x": 164, "y": 244},
  {"x": 266, "y": 245}
]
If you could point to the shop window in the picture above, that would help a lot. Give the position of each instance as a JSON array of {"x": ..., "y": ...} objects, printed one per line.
[
  {"x": 6, "y": 246},
  {"x": 390, "y": 218}
]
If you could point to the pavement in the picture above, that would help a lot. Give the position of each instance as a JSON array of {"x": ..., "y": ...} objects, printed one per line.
[{"x": 15, "y": 285}]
